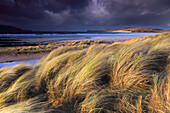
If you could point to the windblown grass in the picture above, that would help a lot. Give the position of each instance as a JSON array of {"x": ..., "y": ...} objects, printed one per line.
[{"x": 133, "y": 76}]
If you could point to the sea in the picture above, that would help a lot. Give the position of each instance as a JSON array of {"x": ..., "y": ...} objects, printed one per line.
[{"x": 73, "y": 36}]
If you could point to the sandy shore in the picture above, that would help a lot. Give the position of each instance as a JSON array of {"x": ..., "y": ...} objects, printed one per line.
[
  {"x": 21, "y": 57},
  {"x": 31, "y": 56}
]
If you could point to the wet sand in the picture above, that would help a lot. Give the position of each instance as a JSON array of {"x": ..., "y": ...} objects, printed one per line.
[{"x": 21, "y": 57}]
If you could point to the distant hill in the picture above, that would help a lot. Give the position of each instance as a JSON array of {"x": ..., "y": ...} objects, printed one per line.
[
  {"x": 12, "y": 29},
  {"x": 131, "y": 30}
]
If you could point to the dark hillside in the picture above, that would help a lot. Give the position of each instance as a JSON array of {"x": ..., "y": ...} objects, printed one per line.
[{"x": 11, "y": 29}]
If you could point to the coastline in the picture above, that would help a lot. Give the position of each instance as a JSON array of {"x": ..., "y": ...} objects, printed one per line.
[{"x": 11, "y": 57}]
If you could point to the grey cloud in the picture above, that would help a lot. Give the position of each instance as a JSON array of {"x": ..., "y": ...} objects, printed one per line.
[{"x": 70, "y": 14}]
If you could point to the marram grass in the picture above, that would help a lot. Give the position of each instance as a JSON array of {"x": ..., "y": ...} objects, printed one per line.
[{"x": 128, "y": 77}]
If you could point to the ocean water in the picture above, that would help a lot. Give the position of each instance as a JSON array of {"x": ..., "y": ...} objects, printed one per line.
[
  {"x": 9, "y": 64},
  {"x": 74, "y": 36}
]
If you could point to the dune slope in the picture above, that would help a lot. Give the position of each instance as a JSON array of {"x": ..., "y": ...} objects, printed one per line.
[{"x": 132, "y": 76}]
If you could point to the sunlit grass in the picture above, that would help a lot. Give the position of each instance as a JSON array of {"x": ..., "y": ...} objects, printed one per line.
[{"x": 123, "y": 77}]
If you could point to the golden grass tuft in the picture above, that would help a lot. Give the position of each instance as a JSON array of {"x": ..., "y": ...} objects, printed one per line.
[{"x": 127, "y": 77}]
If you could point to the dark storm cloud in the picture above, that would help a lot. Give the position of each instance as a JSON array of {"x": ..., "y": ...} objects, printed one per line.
[
  {"x": 139, "y": 12},
  {"x": 80, "y": 14}
]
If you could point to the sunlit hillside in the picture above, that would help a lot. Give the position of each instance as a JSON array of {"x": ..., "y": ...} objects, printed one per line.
[{"x": 131, "y": 76}]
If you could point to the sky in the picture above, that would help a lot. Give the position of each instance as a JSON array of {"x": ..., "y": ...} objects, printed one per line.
[{"x": 81, "y": 15}]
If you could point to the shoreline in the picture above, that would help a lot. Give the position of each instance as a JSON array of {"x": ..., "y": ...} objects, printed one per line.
[{"x": 11, "y": 57}]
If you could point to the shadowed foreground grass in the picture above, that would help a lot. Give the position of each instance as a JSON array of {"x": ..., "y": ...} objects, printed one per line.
[{"x": 133, "y": 76}]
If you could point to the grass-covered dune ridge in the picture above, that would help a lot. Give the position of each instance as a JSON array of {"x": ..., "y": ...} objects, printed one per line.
[{"x": 133, "y": 76}]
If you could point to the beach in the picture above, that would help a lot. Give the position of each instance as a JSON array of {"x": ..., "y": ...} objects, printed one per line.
[{"x": 10, "y": 57}]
